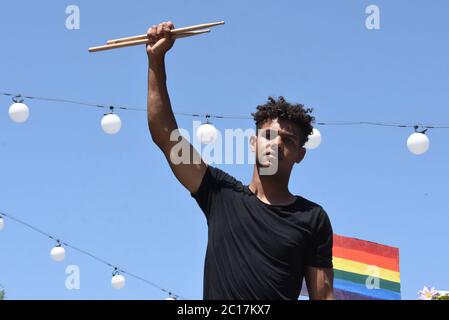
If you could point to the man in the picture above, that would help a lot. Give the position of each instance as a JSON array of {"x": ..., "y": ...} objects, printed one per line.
[{"x": 262, "y": 240}]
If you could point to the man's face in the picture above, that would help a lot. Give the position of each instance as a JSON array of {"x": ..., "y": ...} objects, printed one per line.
[{"x": 278, "y": 144}]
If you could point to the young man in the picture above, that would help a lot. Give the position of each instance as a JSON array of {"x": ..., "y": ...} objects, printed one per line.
[{"x": 262, "y": 240}]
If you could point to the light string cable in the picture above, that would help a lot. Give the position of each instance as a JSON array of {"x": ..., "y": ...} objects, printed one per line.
[
  {"x": 192, "y": 114},
  {"x": 59, "y": 241}
]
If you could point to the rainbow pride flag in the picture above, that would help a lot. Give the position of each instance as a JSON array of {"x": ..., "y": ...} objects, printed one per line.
[{"x": 364, "y": 270}]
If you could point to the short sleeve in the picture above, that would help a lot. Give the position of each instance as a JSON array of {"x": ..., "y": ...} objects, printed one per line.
[
  {"x": 320, "y": 250},
  {"x": 213, "y": 181}
]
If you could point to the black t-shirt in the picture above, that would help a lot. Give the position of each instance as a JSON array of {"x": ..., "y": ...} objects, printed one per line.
[{"x": 256, "y": 250}]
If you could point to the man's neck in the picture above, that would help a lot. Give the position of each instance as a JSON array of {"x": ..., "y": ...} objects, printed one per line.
[{"x": 271, "y": 189}]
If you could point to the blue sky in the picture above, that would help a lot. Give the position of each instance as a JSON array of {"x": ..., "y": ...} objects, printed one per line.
[{"x": 115, "y": 196}]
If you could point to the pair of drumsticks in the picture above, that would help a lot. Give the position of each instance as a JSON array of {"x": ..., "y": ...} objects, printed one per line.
[{"x": 143, "y": 39}]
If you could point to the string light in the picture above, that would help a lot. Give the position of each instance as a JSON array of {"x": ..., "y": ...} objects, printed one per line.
[
  {"x": 18, "y": 111},
  {"x": 417, "y": 143},
  {"x": 2, "y": 223},
  {"x": 111, "y": 123},
  {"x": 58, "y": 252},
  {"x": 235, "y": 117},
  {"x": 170, "y": 297},
  {"x": 207, "y": 133},
  {"x": 118, "y": 280}
]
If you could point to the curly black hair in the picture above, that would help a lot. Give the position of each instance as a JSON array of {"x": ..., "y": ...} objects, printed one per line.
[{"x": 282, "y": 109}]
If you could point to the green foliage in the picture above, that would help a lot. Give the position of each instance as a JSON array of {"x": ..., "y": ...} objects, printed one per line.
[{"x": 440, "y": 297}]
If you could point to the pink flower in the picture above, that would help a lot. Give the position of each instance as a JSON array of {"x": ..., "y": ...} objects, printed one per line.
[{"x": 427, "y": 293}]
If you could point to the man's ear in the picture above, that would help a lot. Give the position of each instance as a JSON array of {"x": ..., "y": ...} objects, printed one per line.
[
  {"x": 301, "y": 154},
  {"x": 253, "y": 143}
]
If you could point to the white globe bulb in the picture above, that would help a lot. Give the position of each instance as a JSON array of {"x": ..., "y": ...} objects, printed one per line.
[
  {"x": 57, "y": 254},
  {"x": 170, "y": 298},
  {"x": 207, "y": 133},
  {"x": 118, "y": 281},
  {"x": 2, "y": 224},
  {"x": 418, "y": 143},
  {"x": 19, "y": 112},
  {"x": 111, "y": 123},
  {"x": 314, "y": 140}
]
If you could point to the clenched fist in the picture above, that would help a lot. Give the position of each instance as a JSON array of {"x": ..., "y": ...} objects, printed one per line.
[{"x": 160, "y": 39}]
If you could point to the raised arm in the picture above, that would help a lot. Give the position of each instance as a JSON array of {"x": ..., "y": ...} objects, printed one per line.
[{"x": 188, "y": 168}]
